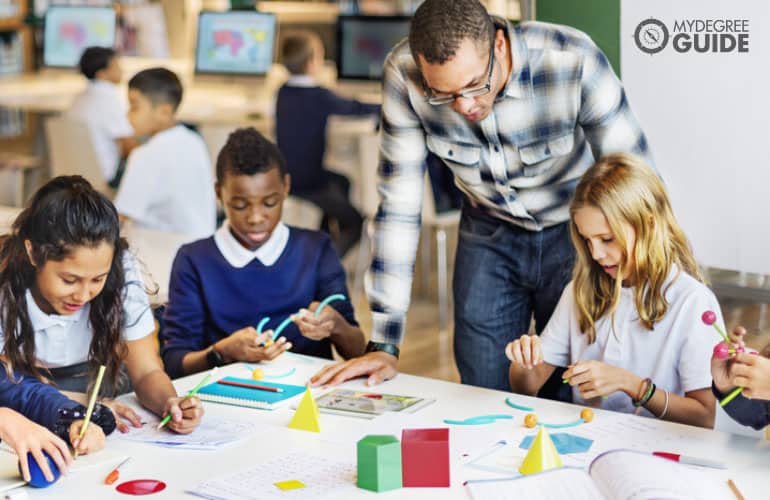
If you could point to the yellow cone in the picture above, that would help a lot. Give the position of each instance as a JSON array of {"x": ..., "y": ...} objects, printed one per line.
[
  {"x": 542, "y": 455},
  {"x": 306, "y": 417}
]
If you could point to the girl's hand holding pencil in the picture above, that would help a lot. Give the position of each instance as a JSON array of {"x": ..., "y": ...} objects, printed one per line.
[
  {"x": 185, "y": 414},
  {"x": 92, "y": 440}
]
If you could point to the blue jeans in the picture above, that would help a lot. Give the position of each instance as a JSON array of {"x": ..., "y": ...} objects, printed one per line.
[{"x": 503, "y": 275}]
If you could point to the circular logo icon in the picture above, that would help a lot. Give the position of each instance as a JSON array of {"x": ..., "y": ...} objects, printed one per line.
[{"x": 651, "y": 36}]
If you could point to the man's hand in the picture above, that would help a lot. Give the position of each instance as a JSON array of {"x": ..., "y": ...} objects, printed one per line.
[{"x": 379, "y": 366}]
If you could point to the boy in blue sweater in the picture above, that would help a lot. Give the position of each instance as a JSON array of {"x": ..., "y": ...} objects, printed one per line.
[
  {"x": 302, "y": 110},
  {"x": 252, "y": 268}
]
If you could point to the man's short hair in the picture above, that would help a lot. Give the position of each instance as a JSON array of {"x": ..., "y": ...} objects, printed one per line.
[
  {"x": 95, "y": 59},
  {"x": 297, "y": 50},
  {"x": 439, "y": 26},
  {"x": 159, "y": 85}
]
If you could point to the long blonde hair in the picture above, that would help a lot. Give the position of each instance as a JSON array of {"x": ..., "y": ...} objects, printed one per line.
[{"x": 628, "y": 191}]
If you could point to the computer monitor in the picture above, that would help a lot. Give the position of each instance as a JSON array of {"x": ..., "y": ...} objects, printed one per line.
[
  {"x": 363, "y": 42},
  {"x": 235, "y": 43},
  {"x": 68, "y": 31}
]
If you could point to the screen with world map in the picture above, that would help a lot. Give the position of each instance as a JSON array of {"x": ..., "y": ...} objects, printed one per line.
[
  {"x": 363, "y": 42},
  {"x": 238, "y": 43},
  {"x": 70, "y": 30}
]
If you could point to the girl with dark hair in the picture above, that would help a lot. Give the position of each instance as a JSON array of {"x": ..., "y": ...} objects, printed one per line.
[{"x": 72, "y": 299}]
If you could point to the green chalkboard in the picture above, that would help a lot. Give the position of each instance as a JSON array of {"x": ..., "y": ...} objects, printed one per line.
[{"x": 600, "y": 19}]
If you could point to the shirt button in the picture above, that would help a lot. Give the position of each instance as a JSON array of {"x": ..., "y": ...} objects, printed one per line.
[
  {"x": 497, "y": 149},
  {"x": 450, "y": 152}
]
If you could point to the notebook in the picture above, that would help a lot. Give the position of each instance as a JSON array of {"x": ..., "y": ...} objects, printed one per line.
[
  {"x": 366, "y": 404},
  {"x": 251, "y": 398},
  {"x": 615, "y": 474}
]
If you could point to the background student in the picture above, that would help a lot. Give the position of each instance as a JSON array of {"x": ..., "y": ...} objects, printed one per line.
[
  {"x": 73, "y": 299},
  {"x": 168, "y": 179},
  {"x": 627, "y": 326},
  {"x": 752, "y": 372},
  {"x": 102, "y": 110},
  {"x": 302, "y": 111},
  {"x": 252, "y": 268}
]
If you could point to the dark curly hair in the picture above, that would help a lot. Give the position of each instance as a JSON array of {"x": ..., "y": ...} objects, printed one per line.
[
  {"x": 248, "y": 152},
  {"x": 439, "y": 26},
  {"x": 95, "y": 59},
  {"x": 66, "y": 213}
]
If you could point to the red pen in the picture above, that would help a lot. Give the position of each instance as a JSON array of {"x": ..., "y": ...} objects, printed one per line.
[
  {"x": 250, "y": 386},
  {"x": 684, "y": 459}
]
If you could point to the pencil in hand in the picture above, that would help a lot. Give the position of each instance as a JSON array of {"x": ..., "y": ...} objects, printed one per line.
[
  {"x": 190, "y": 393},
  {"x": 91, "y": 404}
]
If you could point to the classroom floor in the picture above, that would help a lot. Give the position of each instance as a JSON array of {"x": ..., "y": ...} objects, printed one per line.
[{"x": 429, "y": 353}]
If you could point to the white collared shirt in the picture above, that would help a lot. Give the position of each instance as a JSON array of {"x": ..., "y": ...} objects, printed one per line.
[
  {"x": 169, "y": 185},
  {"x": 239, "y": 256},
  {"x": 101, "y": 108},
  {"x": 302, "y": 81},
  {"x": 65, "y": 340},
  {"x": 676, "y": 354}
]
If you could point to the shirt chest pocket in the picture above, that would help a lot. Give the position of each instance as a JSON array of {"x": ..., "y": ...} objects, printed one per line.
[
  {"x": 535, "y": 156},
  {"x": 463, "y": 159}
]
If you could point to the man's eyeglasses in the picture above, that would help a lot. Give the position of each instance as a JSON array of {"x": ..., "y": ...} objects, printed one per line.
[{"x": 437, "y": 99}]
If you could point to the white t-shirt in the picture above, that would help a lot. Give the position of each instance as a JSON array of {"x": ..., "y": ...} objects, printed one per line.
[
  {"x": 676, "y": 354},
  {"x": 65, "y": 340},
  {"x": 169, "y": 185},
  {"x": 101, "y": 108}
]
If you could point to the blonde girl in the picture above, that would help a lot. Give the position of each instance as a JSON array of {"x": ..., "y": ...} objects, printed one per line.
[{"x": 627, "y": 326}]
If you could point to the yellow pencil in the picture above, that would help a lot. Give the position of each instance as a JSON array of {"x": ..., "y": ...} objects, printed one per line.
[{"x": 91, "y": 404}]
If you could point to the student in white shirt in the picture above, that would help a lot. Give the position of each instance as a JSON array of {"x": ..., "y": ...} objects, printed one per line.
[
  {"x": 168, "y": 180},
  {"x": 628, "y": 326},
  {"x": 102, "y": 110},
  {"x": 73, "y": 299}
]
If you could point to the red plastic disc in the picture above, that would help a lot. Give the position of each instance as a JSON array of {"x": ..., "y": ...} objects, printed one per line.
[{"x": 141, "y": 487}]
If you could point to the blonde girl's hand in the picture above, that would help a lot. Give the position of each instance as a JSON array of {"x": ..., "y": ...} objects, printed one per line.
[
  {"x": 720, "y": 365},
  {"x": 525, "y": 351},
  {"x": 595, "y": 379},
  {"x": 92, "y": 441}
]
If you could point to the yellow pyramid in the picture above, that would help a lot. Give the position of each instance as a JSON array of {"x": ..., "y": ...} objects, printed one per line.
[
  {"x": 306, "y": 417},
  {"x": 542, "y": 455}
]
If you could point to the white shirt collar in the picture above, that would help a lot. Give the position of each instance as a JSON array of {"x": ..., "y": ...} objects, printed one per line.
[
  {"x": 41, "y": 321},
  {"x": 238, "y": 256},
  {"x": 302, "y": 81}
]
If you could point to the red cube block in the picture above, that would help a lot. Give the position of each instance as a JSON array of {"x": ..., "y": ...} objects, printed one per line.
[{"x": 425, "y": 457}]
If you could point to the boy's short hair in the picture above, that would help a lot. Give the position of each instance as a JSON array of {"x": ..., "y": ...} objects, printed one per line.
[
  {"x": 95, "y": 59},
  {"x": 297, "y": 51},
  {"x": 247, "y": 152},
  {"x": 159, "y": 85}
]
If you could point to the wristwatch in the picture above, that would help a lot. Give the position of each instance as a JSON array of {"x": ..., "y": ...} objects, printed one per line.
[
  {"x": 215, "y": 357},
  {"x": 391, "y": 349}
]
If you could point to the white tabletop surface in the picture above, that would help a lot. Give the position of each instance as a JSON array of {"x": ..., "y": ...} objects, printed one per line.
[{"x": 748, "y": 459}]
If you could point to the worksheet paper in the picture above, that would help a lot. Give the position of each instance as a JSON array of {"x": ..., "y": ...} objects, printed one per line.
[
  {"x": 322, "y": 478},
  {"x": 213, "y": 433}
]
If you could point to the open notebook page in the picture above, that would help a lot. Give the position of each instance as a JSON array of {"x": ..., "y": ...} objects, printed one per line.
[
  {"x": 632, "y": 475},
  {"x": 556, "y": 484}
]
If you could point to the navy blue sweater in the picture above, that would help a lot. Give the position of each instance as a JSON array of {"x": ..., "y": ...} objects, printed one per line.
[
  {"x": 300, "y": 126},
  {"x": 750, "y": 412},
  {"x": 35, "y": 400},
  {"x": 209, "y": 299}
]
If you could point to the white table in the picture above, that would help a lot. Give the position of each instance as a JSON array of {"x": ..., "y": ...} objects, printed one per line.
[{"x": 748, "y": 458}]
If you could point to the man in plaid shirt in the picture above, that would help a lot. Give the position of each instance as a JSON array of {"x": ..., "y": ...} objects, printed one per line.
[{"x": 518, "y": 113}]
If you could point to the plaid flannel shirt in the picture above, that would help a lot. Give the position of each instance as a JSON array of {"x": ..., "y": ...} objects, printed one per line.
[{"x": 563, "y": 106}]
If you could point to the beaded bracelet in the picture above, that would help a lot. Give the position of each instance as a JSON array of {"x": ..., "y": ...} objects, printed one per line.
[{"x": 647, "y": 393}]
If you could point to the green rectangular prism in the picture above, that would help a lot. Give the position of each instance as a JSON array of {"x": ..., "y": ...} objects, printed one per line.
[{"x": 379, "y": 463}]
